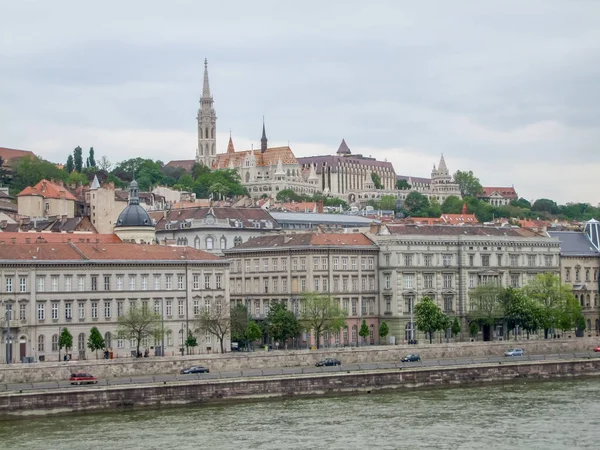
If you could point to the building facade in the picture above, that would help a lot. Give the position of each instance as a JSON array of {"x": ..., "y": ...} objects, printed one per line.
[
  {"x": 498, "y": 196},
  {"x": 46, "y": 199},
  {"x": 45, "y": 287},
  {"x": 439, "y": 187},
  {"x": 446, "y": 262},
  {"x": 280, "y": 269}
]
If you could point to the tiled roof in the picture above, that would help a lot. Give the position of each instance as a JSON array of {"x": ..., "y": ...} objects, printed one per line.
[
  {"x": 246, "y": 216},
  {"x": 10, "y": 153},
  {"x": 414, "y": 179},
  {"x": 506, "y": 192},
  {"x": 186, "y": 164},
  {"x": 35, "y": 237},
  {"x": 574, "y": 243},
  {"x": 459, "y": 219},
  {"x": 101, "y": 252},
  {"x": 449, "y": 230},
  {"x": 270, "y": 157},
  {"x": 305, "y": 240},
  {"x": 335, "y": 161},
  {"x": 47, "y": 189},
  {"x": 322, "y": 218},
  {"x": 58, "y": 225}
]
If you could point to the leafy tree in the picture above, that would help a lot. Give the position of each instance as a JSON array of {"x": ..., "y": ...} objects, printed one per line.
[
  {"x": 384, "y": 330},
  {"x": 281, "y": 323},
  {"x": 253, "y": 332},
  {"x": 65, "y": 340},
  {"x": 139, "y": 323},
  {"x": 376, "y": 180},
  {"x": 570, "y": 314},
  {"x": 473, "y": 329},
  {"x": 364, "y": 331},
  {"x": 435, "y": 209},
  {"x": 199, "y": 169},
  {"x": 77, "y": 178},
  {"x": 95, "y": 341},
  {"x": 334, "y": 201},
  {"x": 288, "y": 195},
  {"x": 468, "y": 183},
  {"x": 30, "y": 171},
  {"x": 91, "y": 160},
  {"x": 217, "y": 322},
  {"x": 545, "y": 205},
  {"x": 416, "y": 204},
  {"x": 429, "y": 318},
  {"x": 69, "y": 166},
  {"x": 219, "y": 190},
  {"x": 486, "y": 304},
  {"x": 452, "y": 205},
  {"x": 402, "y": 185},
  {"x": 388, "y": 202},
  {"x": 78, "y": 159},
  {"x": 455, "y": 327},
  {"x": 190, "y": 342},
  {"x": 239, "y": 323},
  {"x": 321, "y": 313},
  {"x": 521, "y": 203}
]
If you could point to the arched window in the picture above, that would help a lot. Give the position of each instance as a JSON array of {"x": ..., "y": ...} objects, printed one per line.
[
  {"x": 197, "y": 243},
  {"x": 81, "y": 342},
  {"x": 206, "y": 135},
  {"x": 41, "y": 343},
  {"x": 55, "y": 342},
  {"x": 212, "y": 134},
  {"x": 354, "y": 333},
  {"x": 223, "y": 243},
  {"x": 107, "y": 340},
  {"x": 210, "y": 243}
]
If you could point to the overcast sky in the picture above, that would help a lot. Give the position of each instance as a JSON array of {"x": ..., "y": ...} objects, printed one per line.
[{"x": 508, "y": 89}]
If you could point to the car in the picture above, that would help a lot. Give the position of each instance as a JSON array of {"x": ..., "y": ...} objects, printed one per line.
[
  {"x": 514, "y": 352},
  {"x": 413, "y": 357},
  {"x": 597, "y": 349},
  {"x": 195, "y": 369},
  {"x": 328, "y": 362},
  {"x": 83, "y": 378}
]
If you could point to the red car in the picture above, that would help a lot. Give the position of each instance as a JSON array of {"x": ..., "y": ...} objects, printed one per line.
[
  {"x": 83, "y": 378},
  {"x": 597, "y": 349}
]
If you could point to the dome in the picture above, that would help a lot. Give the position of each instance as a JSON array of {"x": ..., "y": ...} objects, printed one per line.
[{"x": 134, "y": 216}]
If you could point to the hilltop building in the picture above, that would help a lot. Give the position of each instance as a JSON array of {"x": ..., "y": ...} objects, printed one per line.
[{"x": 440, "y": 186}]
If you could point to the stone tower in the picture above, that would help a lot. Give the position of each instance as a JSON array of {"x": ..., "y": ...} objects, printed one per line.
[{"x": 206, "y": 153}]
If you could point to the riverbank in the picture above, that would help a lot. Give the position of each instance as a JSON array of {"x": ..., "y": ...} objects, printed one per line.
[
  {"x": 236, "y": 361},
  {"x": 19, "y": 404}
]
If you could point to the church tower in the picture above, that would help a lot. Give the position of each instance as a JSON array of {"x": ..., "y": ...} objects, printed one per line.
[{"x": 206, "y": 153}]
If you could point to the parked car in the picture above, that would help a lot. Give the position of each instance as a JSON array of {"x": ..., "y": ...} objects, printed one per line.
[
  {"x": 83, "y": 378},
  {"x": 514, "y": 352},
  {"x": 597, "y": 349},
  {"x": 195, "y": 369},
  {"x": 328, "y": 362},
  {"x": 413, "y": 357}
]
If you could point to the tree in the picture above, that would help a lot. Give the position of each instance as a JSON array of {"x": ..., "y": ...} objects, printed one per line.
[
  {"x": 364, "y": 331},
  {"x": 287, "y": 195},
  {"x": 190, "y": 342},
  {"x": 69, "y": 166},
  {"x": 104, "y": 164},
  {"x": 388, "y": 203},
  {"x": 30, "y": 171},
  {"x": 429, "y": 318},
  {"x": 416, "y": 204},
  {"x": 239, "y": 324},
  {"x": 219, "y": 190},
  {"x": 485, "y": 303},
  {"x": 321, "y": 313},
  {"x": 90, "y": 159},
  {"x": 376, "y": 180},
  {"x": 435, "y": 210},
  {"x": 402, "y": 185},
  {"x": 455, "y": 327},
  {"x": 77, "y": 178},
  {"x": 281, "y": 323},
  {"x": 95, "y": 341},
  {"x": 473, "y": 329},
  {"x": 253, "y": 331},
  {"x": 65, "y": 340},
  {"x": 384, "y": 330},
  {"x": 139, "y": 324},
  {"x": 545, "y": 205},
  {"x": 217, "y": 322},
  {"x": 570, "y": 314},
  {"x": 452, "y": 205},
  {"x": 468, "y": 183},
  {"x": 78, "y": 159}
]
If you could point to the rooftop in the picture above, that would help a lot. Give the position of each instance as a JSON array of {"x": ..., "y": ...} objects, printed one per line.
[
  {"x": 322, "y": 218},
  {"x": 47, "y": 189},
  {"x": 574, "y": 243},
  {"x": 451, "y": 230},
  {"x": 305, "y": 240}
]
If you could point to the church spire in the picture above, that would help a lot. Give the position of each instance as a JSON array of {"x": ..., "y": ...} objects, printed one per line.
[
  {"x": 442, "y": 166},
  {"x": 263, "y": 139},
  {"x": 205, "y": 86},
  {"x": 230, "y": 148},
  {"x": 206, "y": 151}
]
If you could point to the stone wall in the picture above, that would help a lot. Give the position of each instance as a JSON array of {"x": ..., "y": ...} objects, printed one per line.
[
  {"x": 131, "y": 367},
  {"x": 212, "y": 391}
]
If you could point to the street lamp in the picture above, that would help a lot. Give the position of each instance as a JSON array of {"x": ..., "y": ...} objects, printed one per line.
[
  {"x": 8, "y": 339},
  {"x": 182, "y": 327}
]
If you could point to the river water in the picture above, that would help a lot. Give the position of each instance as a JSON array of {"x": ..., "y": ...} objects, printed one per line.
[{"x": 532, "y": 415}]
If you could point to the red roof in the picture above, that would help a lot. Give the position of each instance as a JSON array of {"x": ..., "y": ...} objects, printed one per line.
[
  {"x": 459, "y": 219},
  {"x": 47, "y": 189},
  {"x": 10, "y": 153},
  {"x": 302, "y": 240},
  {"x": 506, "y": 192},
  {"x": 33, "y": 238}
]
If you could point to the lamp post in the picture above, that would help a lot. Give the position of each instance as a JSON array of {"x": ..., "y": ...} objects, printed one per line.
[
  {"x": 162, "y": 325},
  {"x": 182, "y": 329},
  {"x": 8, "y": 339},
  {"x": 59, "y": 331},
  {"x": 412, "y": 323}
]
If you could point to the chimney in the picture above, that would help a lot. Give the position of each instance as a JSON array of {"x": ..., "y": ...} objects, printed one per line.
[
  {"x": 374, "y": 228},
  {"x": 320, "y": 206}
]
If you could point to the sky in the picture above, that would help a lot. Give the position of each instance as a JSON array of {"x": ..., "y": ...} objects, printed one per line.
[{"x": 507, "y": 89}]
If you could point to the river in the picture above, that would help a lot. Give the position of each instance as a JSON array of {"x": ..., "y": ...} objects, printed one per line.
[{"x": 531, "y": 415}]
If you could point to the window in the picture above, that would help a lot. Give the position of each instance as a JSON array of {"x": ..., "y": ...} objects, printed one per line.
[
  {"x": 275, "y": 263},
  {"x": 371, "y": 263},
  {"x": 447, "y": 260},
  {"x": 94, "y": 280},
  {"x": 120, "y": 308},
  {"x": 364, "y": 283},
  {"x": 22, "y": 284},
  {"x": 54, "y": 283},
  {"x": 353, "y": 262},
  {"x": 68, "y": 283},
  {"x": 363, "y": 263},
  {"x": 81, "y": 283},
  {"x": 386, "y": 259},
  {"x": 388, "y": 304},
  {"x": 54, "y": 310},
  {"x": 196, "y": 307},
  {"x": 408, "y": 258},
  {"x": 363, "y": 307},
  {"x": 223, "y": 243},
  {"x": 408, "y": 281},
  {"x": 428, "y": 260},
  {"x": 168, "y": 281},
  {"x": 132, "y": 282},
  {"x": 207, "y": 281},
  {"x": 180, "y": 307},
  {"x": 354, "y": 283},
  {"x": 107, "y": 309},
  {"x": 303, "y": 263},
  {"x": 81, "y": 310},
  {"x": 514, "y": 260},
  {"x": 325, "y": 285},
  {"x": 447, "y": 281},
  {"x": 567, "y": 274},
  {"x": 577, "y": 274},
  {"x": 316, "y": 283},
  {"x": 485, "y": 260},
  {"x": 144, "y": 282},
  {"x": 119, "y": 282},
  {"x": 514, "y": 280},
  {"x": 210, "y": 243},
  {"x": 335, "y": 263},
  {"x": 120, "y": 342},
  {"x": 499, "y": 258},
  {"x": 548, "y": 260},
  {"x": 472, "y": 278},
  {"x": 302, "y": 284},
  {"x": 409, "y": 303},
  {"x": 55, "y": 342},
  {"x": 218, "y": 278},
  {"x": 344, "y": 263},
  {"x": 531, "y": 260},
  {"x": 275, "y": 286},
  {"x": 156, "y": 282},
  {"x": 354, "y": 304},
  {"x": 346, "y": 305},
  {"x": 371, "y": 283},
  {"x": 207, "y": 305},
  {"x": 94, "y": 310},
  {"x": 587, "y": 275},
  {"x": 169, "y": 308},
  {"x": 9, "y": 284},
  {"x": 448, "y": 303},
  {"x": 471, "y": 260},
  {"x": 336, "y": 284},
  {"x": 345, "y": 284},
  {"x": 22, "y": 311},
  {"x": 41, "y": 284},
  {"x": 41, "y": 311},
  {"x": 316, "y": 262},
  {"x": 107, "y": 283},
  {"x": 196, "y": 281},
  {"x": 428, "y": 280},
  {"x": 265, "y": 264},
  {"x": 294, "y": 264},
  {"x": 266, "y": 285},
  {"x": 283, "y": 264},
  {"x": 324, "y": 263},
  {"x": 41, "y": 343},
  {"x": 180, "y": 282},
  {"x": 157, "y": 306},
  {"x": 284, "y": 287},
  {"x": 387, "y": 281}
]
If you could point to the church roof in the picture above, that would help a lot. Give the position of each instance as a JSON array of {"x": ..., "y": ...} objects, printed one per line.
[
  {"x": 186, "y": 164},
  {"x": 343, "y": 148},
  {"x": 270, "y": 157},
  {"x": 335, "y": 161}
]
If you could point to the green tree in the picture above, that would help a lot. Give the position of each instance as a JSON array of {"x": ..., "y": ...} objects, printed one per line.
[
  {"x": 364, "y": 331},
  {"x": 402, "y": 185},
  {"x": 570, "y": 314},
  {"x": 77, "y": 178},
  {"x": 416, "y": 204},
  {"x": 69, "y": 166},
  {"x": 388, "y": 202},
  {"x": 429, "y": 318},
  {"x": 545, "y": 205},
  {"x": 219, "y": 190},
  {"x": 65, "y": 340},
  {"x": 281, "y": 323},
  {"x": 91, "y": 160},
  {"x": 468, "y": 183},
  {"x": 253, "y": 332},
  {"x": 30, "y": 171},
  {"x": 486, "y": 307},
  {"x": 473, "y": 329},
  {"x": 321, "y": 313},
  {"x": 217, "y": 322},
  {"x": 384, "y": 330},
  {"x": 452, "y": 205},
  {"x": 190, "y": 342},
  {"x": 239, "y": 324},
  {"x": 78, "y": 159},
  {"x": 435, "y": 210},
  {"x": 138, "y": 324},
  {"x": 333, "y": 201},
  {"x": 95, "y": 341},
  {"x": 376, "y": 180},
  {"x": 455, "y": 327},
  {"x": 287, "y": 195}
]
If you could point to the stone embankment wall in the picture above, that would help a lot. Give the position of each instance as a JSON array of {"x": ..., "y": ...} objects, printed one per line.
[
  {"x": 131, "y": 367},
  {"x": 213, "y": 391}
]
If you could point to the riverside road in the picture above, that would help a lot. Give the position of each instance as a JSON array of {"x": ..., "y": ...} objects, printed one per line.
[{"x": 301, "y": 370}]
